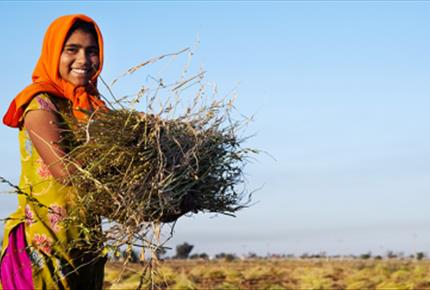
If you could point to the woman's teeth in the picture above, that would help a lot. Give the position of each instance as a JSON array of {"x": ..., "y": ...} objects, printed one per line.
[{"x": 80, "y": 71}]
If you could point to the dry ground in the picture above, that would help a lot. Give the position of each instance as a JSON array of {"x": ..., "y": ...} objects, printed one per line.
[{"x": 279, "y": 274}]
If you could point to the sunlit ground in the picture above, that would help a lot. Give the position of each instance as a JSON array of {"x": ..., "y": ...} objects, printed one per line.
[{"x": 279, "y": 274}]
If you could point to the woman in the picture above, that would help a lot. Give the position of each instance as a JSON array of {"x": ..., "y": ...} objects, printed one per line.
[{"x": 39, "y": 249}]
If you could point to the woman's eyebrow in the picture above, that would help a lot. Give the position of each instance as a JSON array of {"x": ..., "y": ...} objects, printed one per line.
[{"x": 79, "y": 45}]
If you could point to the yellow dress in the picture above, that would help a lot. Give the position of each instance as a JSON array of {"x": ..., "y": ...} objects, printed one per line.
[{"x": 44, "y": 206}]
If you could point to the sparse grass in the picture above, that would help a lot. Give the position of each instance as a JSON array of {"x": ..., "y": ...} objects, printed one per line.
[{"x": 288, "y": 274}]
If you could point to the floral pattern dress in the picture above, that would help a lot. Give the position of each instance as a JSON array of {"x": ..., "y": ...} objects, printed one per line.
[{"x": 44, "y": 206}]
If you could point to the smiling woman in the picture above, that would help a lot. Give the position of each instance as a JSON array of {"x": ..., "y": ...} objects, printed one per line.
[{"x": 43, "y": 246}]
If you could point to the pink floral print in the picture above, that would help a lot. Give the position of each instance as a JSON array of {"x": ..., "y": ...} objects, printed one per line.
[
  {"x": 29, "y": 217},
  {"x": 56, "y": 215},
  {"x": 43, "y": 170},
  {"x": 42, "y": 242},
  {"x": 45, "y": 105}
]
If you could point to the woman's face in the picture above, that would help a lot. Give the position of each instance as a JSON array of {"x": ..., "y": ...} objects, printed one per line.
[{"x": 79, "y": 59}]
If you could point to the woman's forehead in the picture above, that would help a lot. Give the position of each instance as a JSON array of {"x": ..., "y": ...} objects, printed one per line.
[{"x": 81, "y": 38}]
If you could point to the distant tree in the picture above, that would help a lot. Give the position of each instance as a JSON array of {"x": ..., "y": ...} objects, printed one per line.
[
  {"x": 230, "y": 257},
  {"x": 204, "y": 256},
  {"x": 225, "y": 256},
  {"x": 378, "y": 257},
  {"x": 220, "y": 255},
  {"x": 304, "y": 256},
  {"x": 194, "y": 256},
  {"x": 420, "y": 255},
  {"x": 183, "y": 250},
  {"x": 366, "y": 256},
  {"x": 252, "y": 255},
  {"x": 391, "y": 255}
]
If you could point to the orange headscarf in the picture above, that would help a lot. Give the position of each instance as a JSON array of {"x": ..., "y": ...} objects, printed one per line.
[{"x": 46, "y": 77}]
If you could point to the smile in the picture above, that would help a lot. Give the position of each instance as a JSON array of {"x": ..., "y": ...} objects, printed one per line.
[{"x": 80, "y": 71}]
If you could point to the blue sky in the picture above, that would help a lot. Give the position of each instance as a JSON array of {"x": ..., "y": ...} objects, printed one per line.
[{"x": 339, "y": 91}]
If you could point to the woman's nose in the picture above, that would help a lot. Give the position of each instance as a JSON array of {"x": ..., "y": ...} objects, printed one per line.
[{"x": 82, "y": 58}]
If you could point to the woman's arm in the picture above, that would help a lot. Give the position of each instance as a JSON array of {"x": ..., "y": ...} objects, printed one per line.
[{"x": 43, "y": 129}]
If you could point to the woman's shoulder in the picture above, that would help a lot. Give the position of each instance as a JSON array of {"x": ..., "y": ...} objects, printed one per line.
[{"x": 42, "y": 101}]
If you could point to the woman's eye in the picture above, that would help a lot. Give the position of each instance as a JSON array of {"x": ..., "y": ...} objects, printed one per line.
[
  {"x": 71, "y": 49},
  {"x": 93, "y": 51}
]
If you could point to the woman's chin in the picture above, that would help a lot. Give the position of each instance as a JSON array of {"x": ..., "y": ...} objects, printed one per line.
[{"x": 79, "y": 82}]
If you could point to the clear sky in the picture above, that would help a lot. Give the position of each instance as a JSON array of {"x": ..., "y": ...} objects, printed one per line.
[{"x": 339, "y": 90}]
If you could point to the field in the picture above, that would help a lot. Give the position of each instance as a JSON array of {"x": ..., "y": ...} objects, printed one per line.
[{"x": 280, "y": 274}]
